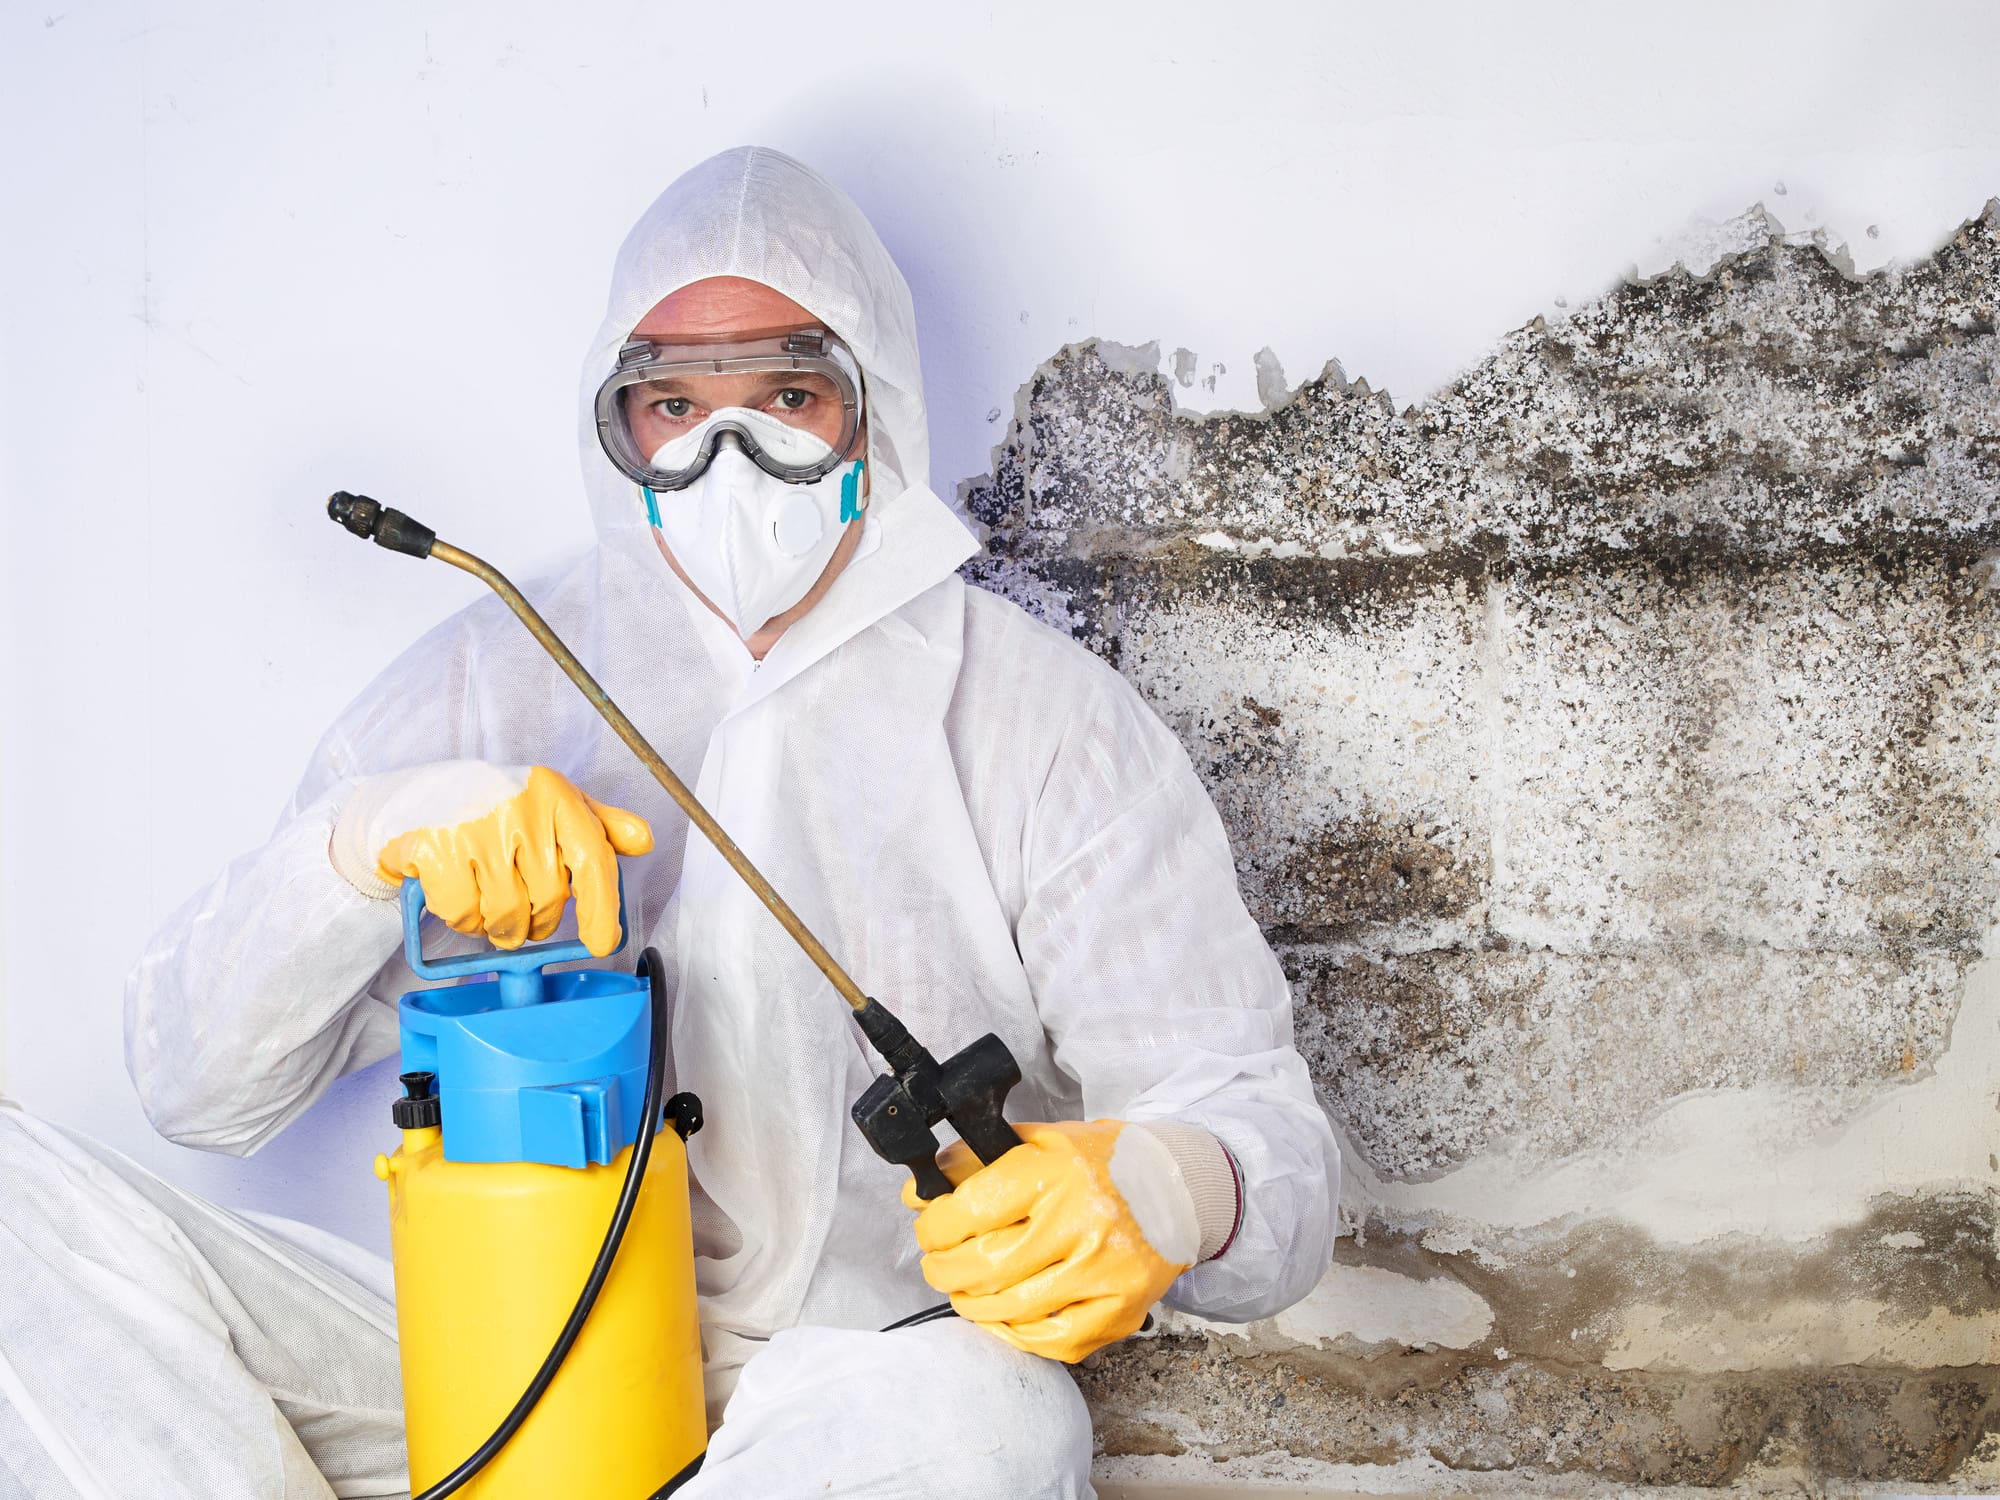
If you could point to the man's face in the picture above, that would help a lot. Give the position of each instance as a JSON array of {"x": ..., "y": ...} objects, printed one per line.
[{"x": 721, "y": 310}]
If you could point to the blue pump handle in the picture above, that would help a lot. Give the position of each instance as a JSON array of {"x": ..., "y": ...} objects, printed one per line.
[{"x": 519, "y": 970}]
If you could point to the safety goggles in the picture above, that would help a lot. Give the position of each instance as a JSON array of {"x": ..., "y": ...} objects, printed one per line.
[{"x": 790, "y": 402}]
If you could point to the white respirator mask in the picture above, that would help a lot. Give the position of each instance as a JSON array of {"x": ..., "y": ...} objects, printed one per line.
[{"x": 752, "y": 543}]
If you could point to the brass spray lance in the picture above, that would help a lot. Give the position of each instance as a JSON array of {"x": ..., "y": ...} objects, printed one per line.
[{"x": 899, "y": 1111}]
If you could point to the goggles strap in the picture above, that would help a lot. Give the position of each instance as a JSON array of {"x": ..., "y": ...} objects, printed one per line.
[{"x": 851, "y": 505}]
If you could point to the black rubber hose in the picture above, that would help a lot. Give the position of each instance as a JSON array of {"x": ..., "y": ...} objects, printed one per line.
[
  {"x": 650, "y": 1113},
  {"x": 928, "y": 1315}
]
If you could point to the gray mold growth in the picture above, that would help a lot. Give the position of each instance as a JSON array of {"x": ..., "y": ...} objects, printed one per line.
[
  {"x": 1429, "y": 1058},
  {"x": 1621, "y": 1427},
  {"x": 1617, "y": 727},
  {"x": 1773, "y": 405}
]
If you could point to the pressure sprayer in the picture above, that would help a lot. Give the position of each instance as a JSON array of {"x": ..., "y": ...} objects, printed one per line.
[{"x": 484, "y": 1214}]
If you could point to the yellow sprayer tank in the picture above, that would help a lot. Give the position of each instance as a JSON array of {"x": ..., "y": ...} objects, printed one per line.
[{"x": 525, "y": 1093}]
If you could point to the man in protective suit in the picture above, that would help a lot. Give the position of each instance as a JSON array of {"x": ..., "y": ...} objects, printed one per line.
[{"x": 979, "y": 817}]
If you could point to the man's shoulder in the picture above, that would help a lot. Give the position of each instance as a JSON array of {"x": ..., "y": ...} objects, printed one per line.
[
  {"x": 1077, "y": 736},
  {"x": 1050, "y": 690},
  {"x": 1000, "y": 629}
]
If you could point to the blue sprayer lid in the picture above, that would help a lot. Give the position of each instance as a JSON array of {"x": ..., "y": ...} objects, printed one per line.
[{"x": 530, "y": 1066}]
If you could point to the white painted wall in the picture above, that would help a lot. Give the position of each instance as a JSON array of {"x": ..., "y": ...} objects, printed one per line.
[{"x": 254, "y": 253}]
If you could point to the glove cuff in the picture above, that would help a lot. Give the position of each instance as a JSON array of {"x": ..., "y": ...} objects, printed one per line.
[
  {"x": 1210, "y": 1175},
  {"x": 347, "y": 848}
]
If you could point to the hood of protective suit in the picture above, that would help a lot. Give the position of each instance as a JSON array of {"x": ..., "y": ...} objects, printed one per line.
[{"x": 758, "y": 214}]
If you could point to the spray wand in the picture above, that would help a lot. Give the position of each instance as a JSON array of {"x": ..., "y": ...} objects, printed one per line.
[{"x": 898, "y": 1113}]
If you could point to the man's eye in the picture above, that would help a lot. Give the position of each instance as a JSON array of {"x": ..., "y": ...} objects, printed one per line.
[
  {"x": 793, "y": 399},
  {"x": 675, "y": 406}
]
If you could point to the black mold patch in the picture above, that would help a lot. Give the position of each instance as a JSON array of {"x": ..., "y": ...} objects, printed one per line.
[
  {"x": 1376, "y": 591},
  {"x": 1370, "y": 871},
  {"x": 1805, "y": 743}
]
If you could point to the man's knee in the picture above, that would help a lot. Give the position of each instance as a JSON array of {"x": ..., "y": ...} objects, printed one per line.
[
  {"x": 990, "y": 1404},
  {"x": 873, "y": 1409}
]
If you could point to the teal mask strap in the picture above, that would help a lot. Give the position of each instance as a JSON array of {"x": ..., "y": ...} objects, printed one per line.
[
  {"x": 652, "y": 505},
  {"x": 850, "y": 490}
]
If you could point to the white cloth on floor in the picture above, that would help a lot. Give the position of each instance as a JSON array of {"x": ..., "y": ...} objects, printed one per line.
[{"x": 153, "y": 1344}]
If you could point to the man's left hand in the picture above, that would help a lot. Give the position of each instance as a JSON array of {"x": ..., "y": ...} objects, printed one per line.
[{"x": 1062, "y": 1245}]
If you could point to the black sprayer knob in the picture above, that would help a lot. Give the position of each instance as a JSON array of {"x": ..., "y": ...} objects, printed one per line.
[
  {"x": 420, "y": 1106},
  {"x": 356, "y": 512}
]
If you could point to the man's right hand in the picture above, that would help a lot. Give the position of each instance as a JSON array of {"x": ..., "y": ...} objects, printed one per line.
[{"x": 498, "y": 848}]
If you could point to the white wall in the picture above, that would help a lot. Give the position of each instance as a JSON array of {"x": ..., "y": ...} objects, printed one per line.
[{"x": 255, "y": 253}]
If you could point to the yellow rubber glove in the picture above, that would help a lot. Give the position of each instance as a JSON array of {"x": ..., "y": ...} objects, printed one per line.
[
  {"x": 1064, "y": 1244},
  {"x": 498, "y": 848}
]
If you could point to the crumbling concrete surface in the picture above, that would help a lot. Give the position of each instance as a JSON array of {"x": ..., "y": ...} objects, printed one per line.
[{"x": 1611, "y": 747}]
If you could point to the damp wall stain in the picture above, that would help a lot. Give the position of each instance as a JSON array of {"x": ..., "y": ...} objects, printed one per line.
[{"x": 1610, "y": 747}]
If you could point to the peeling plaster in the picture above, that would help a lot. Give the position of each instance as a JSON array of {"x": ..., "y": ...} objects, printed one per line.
[{"x": 1359, "y": 1305}]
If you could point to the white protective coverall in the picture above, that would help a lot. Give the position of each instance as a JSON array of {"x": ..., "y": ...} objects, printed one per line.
[{"x": 982, "y": 820}]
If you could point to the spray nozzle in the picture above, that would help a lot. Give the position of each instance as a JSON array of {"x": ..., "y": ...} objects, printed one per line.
[{"x": 380, "y": 524}]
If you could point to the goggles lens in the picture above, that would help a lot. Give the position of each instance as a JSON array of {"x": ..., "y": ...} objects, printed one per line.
[
  {"x": 659, "y": 411},
  {"x": 803, "y": 383}
]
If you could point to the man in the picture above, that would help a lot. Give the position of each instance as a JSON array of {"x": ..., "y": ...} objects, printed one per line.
[{"x": 981, "y": 820}]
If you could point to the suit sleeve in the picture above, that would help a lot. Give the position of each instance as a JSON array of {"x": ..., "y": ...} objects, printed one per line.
[
  {"x": 1162, "y": 999},
  {"x": 279, "y": 976}
]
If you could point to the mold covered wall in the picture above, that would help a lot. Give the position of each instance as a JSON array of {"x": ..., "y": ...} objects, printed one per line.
[{"x": 1608, "y": 745}]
